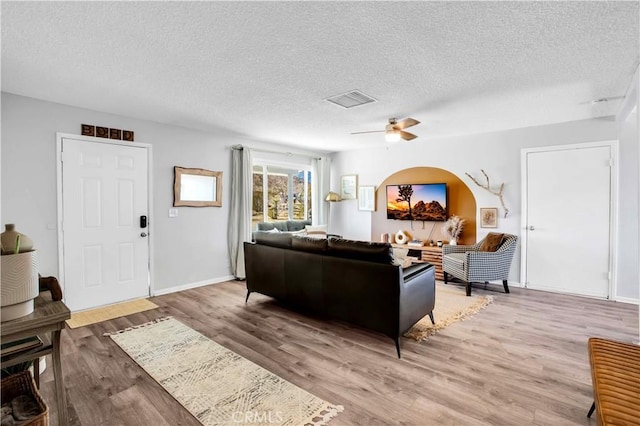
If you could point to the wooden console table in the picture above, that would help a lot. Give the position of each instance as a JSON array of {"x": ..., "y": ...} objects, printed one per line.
[
  {"x": 432, "y": 255},
  {"x": 46, "y": 321}
]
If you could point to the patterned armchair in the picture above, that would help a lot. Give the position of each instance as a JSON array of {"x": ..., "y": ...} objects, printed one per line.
[{"x": 469, "y": 264}]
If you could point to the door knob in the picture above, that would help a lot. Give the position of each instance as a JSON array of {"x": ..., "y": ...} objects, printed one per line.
[
  {"x": 143, "y": 234},
  {"x": 532, "y": 228}
]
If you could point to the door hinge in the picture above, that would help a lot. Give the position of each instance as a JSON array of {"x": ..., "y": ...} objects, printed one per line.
[{"x": 610, "y": 162}]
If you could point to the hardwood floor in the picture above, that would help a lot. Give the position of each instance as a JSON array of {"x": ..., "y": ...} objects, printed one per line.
[{"x": 521, "y": 361}]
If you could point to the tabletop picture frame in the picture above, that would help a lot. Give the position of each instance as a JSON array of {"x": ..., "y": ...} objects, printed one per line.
[{"x": 349, "y": 187}]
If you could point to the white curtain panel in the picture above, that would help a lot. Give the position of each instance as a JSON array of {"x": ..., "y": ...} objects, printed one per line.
[
  {"x": 320, "y": 182},
  {"x": 240, "y": 209}
]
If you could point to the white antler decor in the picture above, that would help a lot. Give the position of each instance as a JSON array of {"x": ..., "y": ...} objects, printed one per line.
[{"x": 488, "y": 188}]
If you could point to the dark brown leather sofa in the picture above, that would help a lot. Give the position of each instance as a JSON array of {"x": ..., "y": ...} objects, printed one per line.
[{"x": 352, "y": 281}]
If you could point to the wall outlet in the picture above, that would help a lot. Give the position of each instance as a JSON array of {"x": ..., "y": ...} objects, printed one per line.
[{"x": 173, "y": 212}]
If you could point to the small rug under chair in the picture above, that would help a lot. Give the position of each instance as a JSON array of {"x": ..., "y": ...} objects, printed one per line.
[
  {"x": 216, "y": 385},
  {"x": 105, "y": 313},
  {"x": 452, "y": 305}
]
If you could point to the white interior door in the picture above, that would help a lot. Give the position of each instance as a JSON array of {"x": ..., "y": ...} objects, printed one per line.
[
  {"x": 568, "y": 214},
  {"x": 106, "y": 252}
]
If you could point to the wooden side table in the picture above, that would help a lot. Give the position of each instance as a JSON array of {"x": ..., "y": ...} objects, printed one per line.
[
  {"x": 432, "y": 255},
  {"x": 46, "y": 321}
]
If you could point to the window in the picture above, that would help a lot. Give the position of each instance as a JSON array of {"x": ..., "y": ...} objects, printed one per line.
[{"x": 281, "y": 193}]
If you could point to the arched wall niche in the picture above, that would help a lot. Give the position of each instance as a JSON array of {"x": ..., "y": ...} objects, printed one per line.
[{"x": 460, "y": 198}]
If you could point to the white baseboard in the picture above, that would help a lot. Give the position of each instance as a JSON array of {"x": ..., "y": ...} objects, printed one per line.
[
  {"x": 189, "y": 286},
  {"x": 627, "y": 300}
]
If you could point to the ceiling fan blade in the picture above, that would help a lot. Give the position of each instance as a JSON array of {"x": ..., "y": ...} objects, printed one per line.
[
  {"x": 407, "y": 136},
  {"x": 407, "y": 122},
  {"x": 370, "y": 131}
]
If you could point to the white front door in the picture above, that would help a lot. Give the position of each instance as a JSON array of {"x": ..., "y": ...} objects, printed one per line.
[
  {"x": 106, "y": 251},
  {"x": 568, "y": 220}
]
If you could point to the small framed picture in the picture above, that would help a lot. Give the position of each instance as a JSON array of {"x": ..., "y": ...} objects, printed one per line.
[
  {"x": 488, "y": 217},
  {"x": 367, "y": 198},
  {"x": 348, "y": 187}
]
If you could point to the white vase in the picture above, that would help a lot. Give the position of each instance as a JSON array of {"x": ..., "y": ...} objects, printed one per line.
[
  {"x": 453, "y": 242},
  {"x": 401, "y": 237}
]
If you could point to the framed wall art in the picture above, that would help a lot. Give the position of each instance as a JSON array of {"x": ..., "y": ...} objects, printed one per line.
[
  {"x": 348, "y": 187},
  {"x": 488, "y": 217},
  {"x": 367, "y": 198}
]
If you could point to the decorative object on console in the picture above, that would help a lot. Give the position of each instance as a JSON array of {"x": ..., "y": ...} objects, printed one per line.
[
  {"x": 349, "y": 187},
  {"x": 488, "y": 188},
  {"x": 402, "y": 237},
  {"x": 452, "y": 229},
  {"x": 19, "y": 280},
  {"x": 488, "y": 217}
]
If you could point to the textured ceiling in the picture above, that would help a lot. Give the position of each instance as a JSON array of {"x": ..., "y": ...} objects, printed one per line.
[{"x": 262, "y": 69}]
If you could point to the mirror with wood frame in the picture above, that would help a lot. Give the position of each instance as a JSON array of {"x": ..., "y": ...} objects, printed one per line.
[{"x": 197, "y": 188}]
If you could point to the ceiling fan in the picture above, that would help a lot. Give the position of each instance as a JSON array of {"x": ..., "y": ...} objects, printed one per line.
[{"x": 393, "y": 131}]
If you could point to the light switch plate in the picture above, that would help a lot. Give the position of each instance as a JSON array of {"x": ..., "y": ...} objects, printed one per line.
[{"x": 173, "y": 212}]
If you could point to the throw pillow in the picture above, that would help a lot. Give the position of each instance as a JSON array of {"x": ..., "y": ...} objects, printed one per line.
[
  {"x": 318, "y": 231},
  {"x": 491, "y": 242}
]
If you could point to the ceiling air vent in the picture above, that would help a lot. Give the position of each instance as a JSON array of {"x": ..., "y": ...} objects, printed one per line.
[{"x": 351, "y": 99}]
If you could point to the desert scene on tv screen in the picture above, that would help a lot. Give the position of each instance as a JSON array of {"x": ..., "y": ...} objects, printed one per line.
[{"x": 417, "y": 202}]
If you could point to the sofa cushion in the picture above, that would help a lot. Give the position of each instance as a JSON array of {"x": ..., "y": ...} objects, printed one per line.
[
  {"x": 266, "y": 226},
  {"x": 297, "y": 225},
  {"x": 491, "y": 242},
  {"x": 313, "y": 245},
  {"x": 274, "y": 239},
  {"x": 360, "y": 250}
]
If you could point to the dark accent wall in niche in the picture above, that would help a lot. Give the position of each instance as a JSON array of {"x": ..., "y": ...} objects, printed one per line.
[{"x": 461, "y": 203}]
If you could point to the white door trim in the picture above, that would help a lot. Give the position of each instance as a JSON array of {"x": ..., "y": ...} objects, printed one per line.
[
  {"x": 613, "y": 221},
  {"x": 91, "y": 139}
]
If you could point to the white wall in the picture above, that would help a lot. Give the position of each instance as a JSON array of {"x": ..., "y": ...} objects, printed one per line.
[
  {"x": 499, "y": 154},
  {"x": 188, "y": 249}
]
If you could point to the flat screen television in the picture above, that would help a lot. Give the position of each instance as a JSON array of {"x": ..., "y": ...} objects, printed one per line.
[{"x": 425, "y": 201}]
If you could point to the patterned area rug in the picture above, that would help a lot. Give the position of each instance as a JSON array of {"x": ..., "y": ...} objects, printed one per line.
[
  {"x": 216, "y": 385},
  {"x": 452, "y": 305},
  {"x": 92, "y": 316}
]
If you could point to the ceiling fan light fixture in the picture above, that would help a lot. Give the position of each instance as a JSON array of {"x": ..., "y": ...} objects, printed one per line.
[{"x": 392, "y": 136}]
